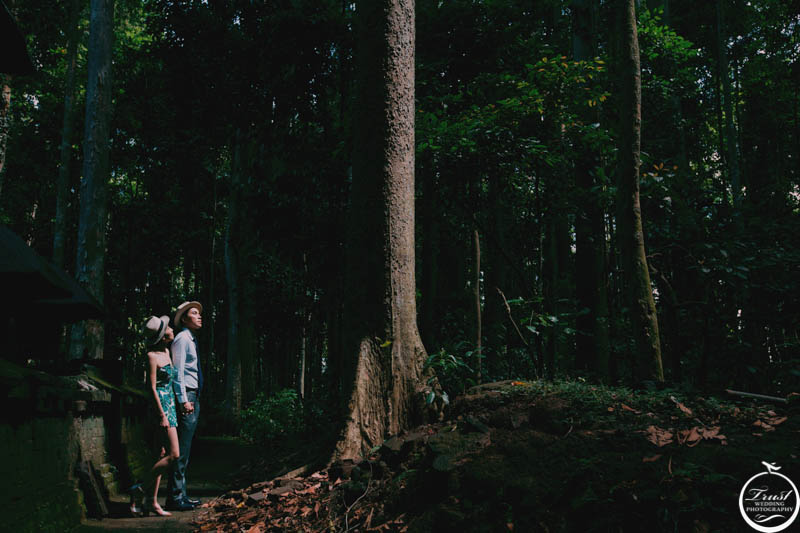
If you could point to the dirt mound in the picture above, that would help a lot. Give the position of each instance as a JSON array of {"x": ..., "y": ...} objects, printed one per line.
[{"x": 518, "y": 456}]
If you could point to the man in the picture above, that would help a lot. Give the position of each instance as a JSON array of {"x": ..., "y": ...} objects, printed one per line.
[{"x": 188, "y": 383}]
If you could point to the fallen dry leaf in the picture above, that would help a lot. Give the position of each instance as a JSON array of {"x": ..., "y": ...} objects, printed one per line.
[
  {"x": 659, "y": 437},
  {"x": 690, "y": 437},
  {"x": 310, "y": 490},
  {"x": 775, "y": 420},
  {"x": 631, "y": 409},
  {"x": 651, "y": 458},
  {"x": 763, "y": 425},
  {"x": 713, "y": 433},
  {"x": 682, "y": 407}
]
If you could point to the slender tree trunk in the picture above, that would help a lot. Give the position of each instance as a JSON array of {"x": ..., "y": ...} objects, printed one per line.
[
  {"x": 478, "y": 332},
  {"x": 233, "y": 382},
  {"x": 726, "y": 97},
  {"x": 209, "y": 276},
  {"x": 5, "y": 122},
  {"x": 631, "y": 234},
  {"x": 590, "y": 233},
  {"x": 382, "y": 343},
  {"x": 304, "y": 332},
  {"x": 62, "y": 185},
  {"x": 88, "y": 337},
  {"x": 430, "y": 260},
  {"x": 550, "y": 292}
]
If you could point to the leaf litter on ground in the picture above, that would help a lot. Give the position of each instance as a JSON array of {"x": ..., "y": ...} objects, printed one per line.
[{"x": 454, "y": 473}]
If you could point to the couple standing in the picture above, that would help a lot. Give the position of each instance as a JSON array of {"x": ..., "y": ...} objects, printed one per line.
[{"x": 175, "y": 383}]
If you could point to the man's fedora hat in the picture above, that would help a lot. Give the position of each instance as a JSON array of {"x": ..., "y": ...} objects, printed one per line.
[
  {"x": 185, "y": 306},
  {"x": 155, "y": 328}
]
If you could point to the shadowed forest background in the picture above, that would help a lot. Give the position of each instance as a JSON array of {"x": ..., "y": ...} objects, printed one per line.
[{"x": 230, "y": 164}]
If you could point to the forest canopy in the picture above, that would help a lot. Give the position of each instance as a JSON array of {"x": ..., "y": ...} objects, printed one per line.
[{"x": 229, "y": 179}]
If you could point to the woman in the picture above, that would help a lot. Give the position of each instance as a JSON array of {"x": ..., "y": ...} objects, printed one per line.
[{"x": 159, "y": 376}]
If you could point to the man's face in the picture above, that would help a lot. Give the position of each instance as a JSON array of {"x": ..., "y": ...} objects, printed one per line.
[{"x": 192, "y": 319}]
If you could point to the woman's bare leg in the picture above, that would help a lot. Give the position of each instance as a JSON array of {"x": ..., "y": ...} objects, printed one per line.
[
  {"x": 164, "y": 465},
  {"x": 155, "y": 489}
]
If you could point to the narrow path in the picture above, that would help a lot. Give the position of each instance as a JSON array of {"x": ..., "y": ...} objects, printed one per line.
[{"x": 212, "y": 470}]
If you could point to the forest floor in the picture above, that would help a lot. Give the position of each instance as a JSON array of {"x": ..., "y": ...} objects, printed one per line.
[
  {"x": 214, "y": 469},
  {"x": 537, "y": 456}
]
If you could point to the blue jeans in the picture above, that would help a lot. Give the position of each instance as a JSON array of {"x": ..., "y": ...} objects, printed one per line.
[{"x": 187, "y": 423}]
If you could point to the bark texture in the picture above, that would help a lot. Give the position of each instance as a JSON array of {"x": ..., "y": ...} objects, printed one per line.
[
  {"x": 382, "y": 344},
  {"x": 5, "y": 121},
  {"x": 629, "y": 219},
  {"x": 88, "y": 337}
]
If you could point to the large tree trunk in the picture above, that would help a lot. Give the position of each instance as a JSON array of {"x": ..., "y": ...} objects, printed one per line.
[
  {"x": 592, "y": 340},
  {"x": 383, "y": 346},
  {"x": 629, "y": 219},
  {"x": 62, "y": 185},
  {"x": 88, "y": 337}
]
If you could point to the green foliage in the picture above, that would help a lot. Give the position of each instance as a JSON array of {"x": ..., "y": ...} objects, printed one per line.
[
  {"x": 268, "y": 418},
  {"x": 452, "y": 371},
  {"x": 503, "y": 115}
]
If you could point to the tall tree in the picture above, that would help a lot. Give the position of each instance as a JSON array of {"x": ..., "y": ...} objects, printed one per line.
[
  {"x": 238, "y": 275},
  {"x": 5, "y": 120},
  {"x": 14, "y": 57},
  {"x": 590, "y": 235},
  {"x": 730, "y": 149},
  {"x": 382, "y": 344},
  {"x": 88, "y": 337},
  {"x": 639, "y": 293},
  {"x": 62, "y": 185}
]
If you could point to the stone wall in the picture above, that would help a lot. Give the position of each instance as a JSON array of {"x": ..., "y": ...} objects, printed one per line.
[
  {"x": 51, "y": 425},
  {"x": 39, "y": 491}
]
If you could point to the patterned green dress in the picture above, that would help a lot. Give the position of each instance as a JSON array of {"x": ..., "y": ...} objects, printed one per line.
[{"x": 164, "y": 377}]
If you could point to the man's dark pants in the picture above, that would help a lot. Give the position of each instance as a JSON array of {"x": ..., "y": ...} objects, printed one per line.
[{"x": 187, "y": 423}]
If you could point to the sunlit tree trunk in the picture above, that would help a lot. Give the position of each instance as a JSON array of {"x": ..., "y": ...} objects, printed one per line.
[
  {"x": 382, "y": 345},
  {"x": 5, "y": 122},
  {"x": 88, "y": 337},
  {"x": 639, "y": 293},
  {"x": 62, "y": 185}
]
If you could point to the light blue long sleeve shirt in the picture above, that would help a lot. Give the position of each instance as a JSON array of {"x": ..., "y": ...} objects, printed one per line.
[{"x": 184, "y": 360}]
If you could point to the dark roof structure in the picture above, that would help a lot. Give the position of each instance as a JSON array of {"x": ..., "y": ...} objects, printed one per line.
[
  {"x": 30, "y": 284},
  {"x": 14, "y": 58}
]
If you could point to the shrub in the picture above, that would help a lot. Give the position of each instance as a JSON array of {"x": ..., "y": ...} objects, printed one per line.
[
  {"x": 453, "y": 373},
  {"x": 270, "y": 417}
]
